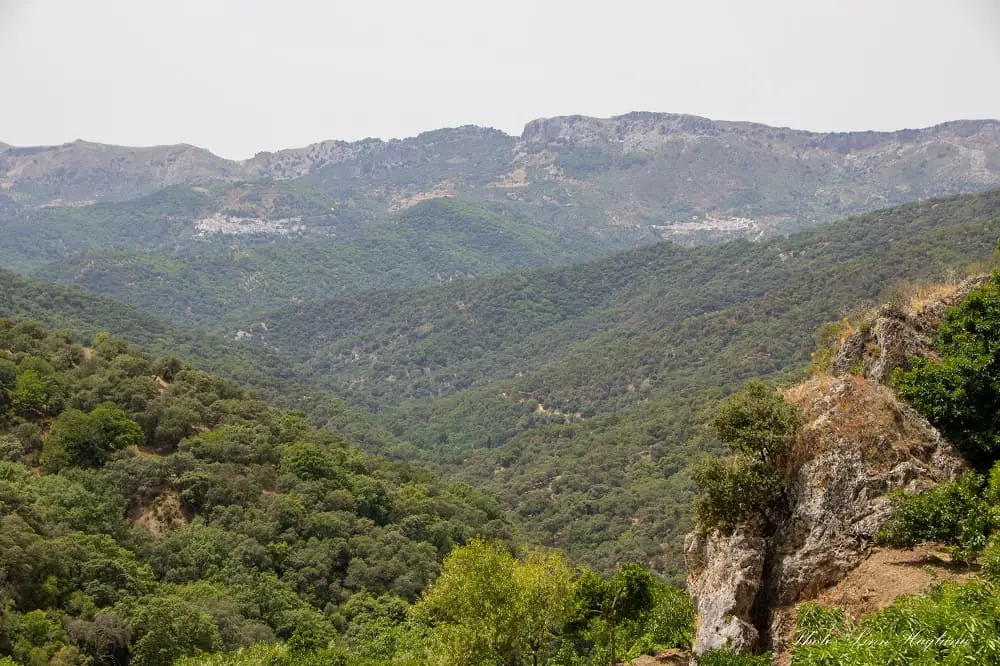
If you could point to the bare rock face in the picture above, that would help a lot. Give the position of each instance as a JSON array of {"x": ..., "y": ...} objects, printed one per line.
[
  {"x": 897, "y": 333},
  {"x": 727, "y": 577},
  {"x": 858, "y": 443}
]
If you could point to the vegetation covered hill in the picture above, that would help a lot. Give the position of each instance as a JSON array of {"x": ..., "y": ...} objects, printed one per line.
[
  {"x": 151, "y": 511},
  {"x": 431, "y": 242},
  {"x": 146, "y": 505},
  {"x": 575, "y": 394},
  {"x": 629, "y": 314}
]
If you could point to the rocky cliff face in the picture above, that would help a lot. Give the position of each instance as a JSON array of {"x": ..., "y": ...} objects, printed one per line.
[
  {"x": 641, "y": 131},
  {"x": 858, "y": 443}
]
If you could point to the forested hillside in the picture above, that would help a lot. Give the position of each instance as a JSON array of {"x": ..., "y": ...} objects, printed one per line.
[
  {"x": 575, "y": 393},
  {"x": 138, "y": 493},
  {"x": 215, "y": 275},
  {"x": 151, "y": 511}
]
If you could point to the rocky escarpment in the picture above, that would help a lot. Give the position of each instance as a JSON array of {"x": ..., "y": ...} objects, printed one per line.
[
  {"x": 858, "y": 443},
  {"x": 640, "y": 131},
  {"x": 897, "y": 332}
]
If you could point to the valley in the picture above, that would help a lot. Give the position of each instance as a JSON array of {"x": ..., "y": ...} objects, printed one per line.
[{"x": 518, "y": 339}]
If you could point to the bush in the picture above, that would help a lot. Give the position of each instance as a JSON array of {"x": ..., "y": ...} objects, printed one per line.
[
  {"x": 954, "y": 513},
  {"x": 958, "y": 393},
  {"x": 828, "y": 339},
  {"x": 11, "y": 447},
  {"x": 953, "y": 624},
  {"x": 731, "y": 491},
  {"x": 757, "y": 423}
]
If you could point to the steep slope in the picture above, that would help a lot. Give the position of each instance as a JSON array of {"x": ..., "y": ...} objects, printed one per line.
[
  {"x": 72, "y": 309},
  {"x": 391, "y": 346},
  {"x": 151, "y": 511},
  {"x": 619, "y": 361},
  {"x": 669, "y": 167},
  {"x": 858, "y": 442}
]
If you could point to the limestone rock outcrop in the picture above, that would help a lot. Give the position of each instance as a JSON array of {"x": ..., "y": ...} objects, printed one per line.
[
  {"x": 858, "y": 443},
  {"x": 727, "y": 573},
  {"x": 896, "y": 333}
]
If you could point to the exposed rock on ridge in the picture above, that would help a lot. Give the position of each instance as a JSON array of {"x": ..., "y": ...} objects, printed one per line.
[
  {"x": 858, "y": 443},
  {"x": 896, "y": 333}
]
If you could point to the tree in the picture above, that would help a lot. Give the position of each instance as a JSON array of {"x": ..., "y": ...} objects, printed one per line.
[
  {"x": 732, "y": 490},
  {"x": 960, "y": 393},
  {"x": 487, "y": 607},
  {"x": 29, "y": 396},
  {"x": 471, "y": 605},
  {"x": 545, "y": 588},
  {"x": 614, "y": 600},
  {"x": 758, "y": 427},
  {"x": 167, "y": 628},
  {"x": 87, "y": 439},
  {"x": 669, "y": 623},
  {"x": 757, "y": 423}
]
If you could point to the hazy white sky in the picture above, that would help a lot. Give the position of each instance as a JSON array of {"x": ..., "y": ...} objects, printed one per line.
[{"x": 247, "y": 75}]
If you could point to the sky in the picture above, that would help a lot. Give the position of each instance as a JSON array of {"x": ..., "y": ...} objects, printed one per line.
[{"x": 242, "y": 76}]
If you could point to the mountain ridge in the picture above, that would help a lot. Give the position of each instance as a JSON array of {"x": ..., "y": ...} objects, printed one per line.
[
  {"x": 531, "y": 129},
  {"x": 680, "y": 176}
]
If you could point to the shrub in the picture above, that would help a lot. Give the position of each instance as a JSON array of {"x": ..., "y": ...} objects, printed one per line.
[
  {"x": 758, "y": 426},
  {"x": 757, "y": 423},
  {"x": 953, "y": 624},
  {"x": 958, "y": 393},
  {"x": 955, "y": 513},
  {"x": 730, "y": 491},
  {"x": 828, "y": 339}
]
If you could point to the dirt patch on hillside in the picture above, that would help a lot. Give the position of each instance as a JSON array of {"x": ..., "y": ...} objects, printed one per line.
[
  {"x": 890, "y": 574},
  {"x": 664, "y": 658},
  {"x": 875, "y": 583},
  {"x": 163, "y": 515}
]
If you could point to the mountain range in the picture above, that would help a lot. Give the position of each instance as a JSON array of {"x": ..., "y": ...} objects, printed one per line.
[{"x": 655, "y": 173}]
